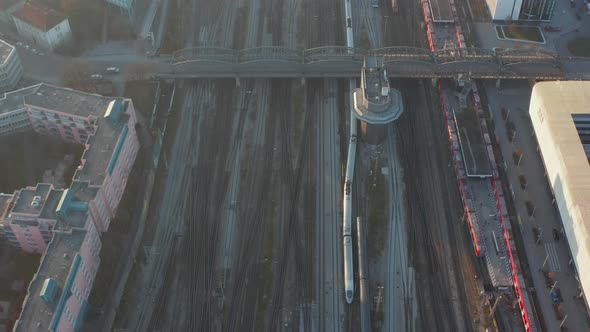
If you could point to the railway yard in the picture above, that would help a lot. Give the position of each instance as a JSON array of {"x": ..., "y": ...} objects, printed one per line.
[{"x": 246, "y": 230}]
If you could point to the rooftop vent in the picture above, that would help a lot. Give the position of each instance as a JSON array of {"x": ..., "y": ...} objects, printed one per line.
[
  {"x": 37, "y": 199},
  {"x": 35, "y": 204}
]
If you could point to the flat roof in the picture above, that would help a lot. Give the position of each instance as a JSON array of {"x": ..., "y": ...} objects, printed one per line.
[
  {"x": 473, "y": 147},
  {"x": 24, "y": 197},
  {"x": 48, "y": 211},
  {"x": 441, "y": 11},
  {"x": 14, "y": 100},
  {"x": 67, "y": 100},
  {"x": 552, "y": 110},
  {"x": 102, "y": 145},
  {"x": 5, "y": 51},
  {"x": 56, "y": 264}
]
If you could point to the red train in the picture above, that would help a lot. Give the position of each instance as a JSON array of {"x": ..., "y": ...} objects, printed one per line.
[{"x": 394, "y": 6}]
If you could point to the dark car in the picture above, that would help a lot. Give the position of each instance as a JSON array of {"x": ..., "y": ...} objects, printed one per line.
[{"x": 550, "y": 28}]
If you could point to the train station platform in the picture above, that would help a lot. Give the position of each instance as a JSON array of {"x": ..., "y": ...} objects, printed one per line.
[
  {"x": 441, "y": 11},
  {"x": 472, "y": 145}
]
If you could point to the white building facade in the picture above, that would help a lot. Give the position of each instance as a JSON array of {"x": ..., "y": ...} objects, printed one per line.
[
  {"x": 42, "y": 26},
  {"x": 561, "y": 120},
  {"x": 11, "y": 69}
]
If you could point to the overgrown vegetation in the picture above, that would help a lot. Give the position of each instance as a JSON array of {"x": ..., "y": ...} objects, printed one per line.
[{"x": 527, "y": 33}]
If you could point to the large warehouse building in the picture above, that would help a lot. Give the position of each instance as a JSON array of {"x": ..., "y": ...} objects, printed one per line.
[{"x": 560, "y": 113}]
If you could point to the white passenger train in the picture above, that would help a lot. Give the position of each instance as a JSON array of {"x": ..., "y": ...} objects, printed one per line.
[{"x": 347, "y": 214}]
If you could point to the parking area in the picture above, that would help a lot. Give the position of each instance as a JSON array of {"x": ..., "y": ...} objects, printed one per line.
[
  {"x": 546, "y": 248},
  {"x": 567, "y": 22}
]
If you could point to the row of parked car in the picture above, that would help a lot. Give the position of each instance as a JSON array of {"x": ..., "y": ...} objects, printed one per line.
[{"x": 29, "y": 48}]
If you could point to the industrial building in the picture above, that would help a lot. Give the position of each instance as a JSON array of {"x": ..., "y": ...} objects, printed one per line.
[
  {"x": 11, "y": 69},
  {"x": 521, "y": 10},
  {"x": 375, "y": 103},
  {"x": 65, "y": 223},
  {"x": 561, "y": 120}
]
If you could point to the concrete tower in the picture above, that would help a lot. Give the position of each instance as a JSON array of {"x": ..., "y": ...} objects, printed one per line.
[{"x": 375, "y": 103}]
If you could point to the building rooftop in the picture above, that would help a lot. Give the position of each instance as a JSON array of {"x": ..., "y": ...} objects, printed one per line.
[
  {"x": 60, "y": 263},
  {"x": 375, "y": 81},
  {"x": 50, "y": 205},
  {"x": 104, "y": 144},
  {"x": 40, "y": 15},
  {"x": 14, "y": 100},
  {"x": 5, "y": 51},
  {"x": 67, "y": 100},
  {"x": 441, "y": 11},
  {"x": 106, "y": 139},
  {"x": 24, "y": 199},
  {"x": 375, "y": 102}
]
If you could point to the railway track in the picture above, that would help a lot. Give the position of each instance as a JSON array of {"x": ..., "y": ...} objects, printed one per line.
[
  {"x": 254, "y": 187},
  {"x": 293, "y": 237},
  {"x": 330, "y": 294},
  {"x": 438, "y": 267}
]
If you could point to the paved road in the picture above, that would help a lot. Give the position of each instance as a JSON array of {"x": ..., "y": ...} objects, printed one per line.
[{"x": 546, "y": 216}]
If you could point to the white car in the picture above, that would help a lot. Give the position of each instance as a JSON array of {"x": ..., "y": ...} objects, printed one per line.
[
  {"x": 96, "y": 76},
  {"x": 19, "y": 44},
  {"x": 113, "y": 70}
]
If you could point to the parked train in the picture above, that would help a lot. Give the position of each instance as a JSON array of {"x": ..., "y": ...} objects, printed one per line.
[{"x": 347, "y": 213}]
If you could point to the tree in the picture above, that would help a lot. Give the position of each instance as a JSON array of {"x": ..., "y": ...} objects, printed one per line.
[
  {"x": 75, "y": 74},
  {"x": 138, "y": 71}
]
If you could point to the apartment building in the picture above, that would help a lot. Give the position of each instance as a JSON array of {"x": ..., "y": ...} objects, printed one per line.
[
  {"x": 65, "y": 223},
  {"x": 42, "y": 25},
  {"x": 11, "y": 69}
]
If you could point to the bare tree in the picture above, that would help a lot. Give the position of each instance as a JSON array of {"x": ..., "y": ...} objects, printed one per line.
[
  {"x": 75, "y": 74},
  {"x": 138, "y": 71}
]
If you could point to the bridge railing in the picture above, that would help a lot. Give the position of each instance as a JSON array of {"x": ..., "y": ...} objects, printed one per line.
[{"x": 403, "y": 59}]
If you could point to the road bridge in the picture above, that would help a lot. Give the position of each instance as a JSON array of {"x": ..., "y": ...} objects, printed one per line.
[{"x": 400, "y": 61}]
